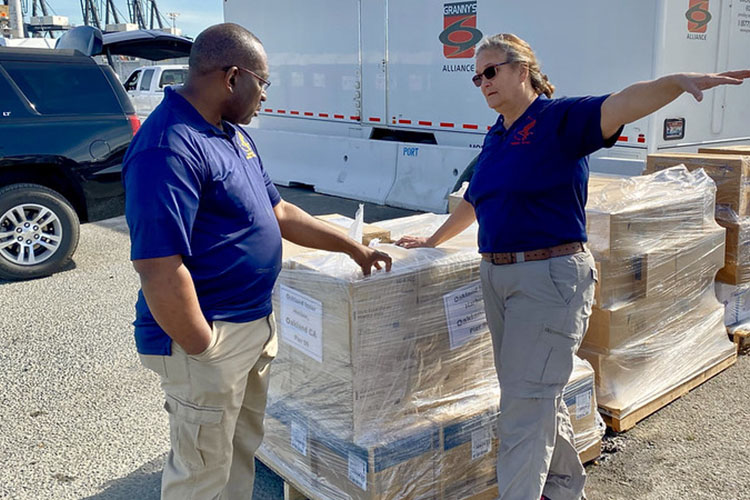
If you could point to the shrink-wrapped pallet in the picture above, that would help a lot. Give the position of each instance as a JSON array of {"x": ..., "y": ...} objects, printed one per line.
[
  {"x": 384, "y": 349},
  {"x": 656, "y": 324},
  {"x": 384, "y": 387}
]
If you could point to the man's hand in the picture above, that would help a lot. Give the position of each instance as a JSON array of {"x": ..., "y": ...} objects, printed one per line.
[
  {"x": 171, "y": 298},
  {"x": 303, "y": 229},
  {"x": 367, "y": 257}
]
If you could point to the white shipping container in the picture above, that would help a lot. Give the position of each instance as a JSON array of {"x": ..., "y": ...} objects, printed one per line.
[{"x": 372, "y": 99}]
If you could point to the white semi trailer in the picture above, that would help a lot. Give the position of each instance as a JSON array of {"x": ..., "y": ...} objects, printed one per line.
[{"x": 373, "y": 99}]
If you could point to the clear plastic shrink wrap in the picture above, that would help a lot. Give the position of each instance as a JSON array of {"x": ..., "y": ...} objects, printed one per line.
[
  {"x": 729, "y": 167},
  {"x": 656, "y": 322},
  {"x": 384, "y": 387},
  {"x": 736, "y": 268}
]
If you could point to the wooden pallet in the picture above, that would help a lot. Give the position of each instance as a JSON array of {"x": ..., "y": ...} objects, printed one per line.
[
  {"x": 742, "y": 339},
  {"x": 620, "y": 424},
  {"x": 291, "y": 491},
  {"x": 591, "y": 453}
]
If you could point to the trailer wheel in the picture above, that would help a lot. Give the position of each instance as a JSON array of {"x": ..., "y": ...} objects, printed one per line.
[{"x": 39, "y": 231}]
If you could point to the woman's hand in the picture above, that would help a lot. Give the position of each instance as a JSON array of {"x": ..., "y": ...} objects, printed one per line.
[
  {"x": 643, "y": 98},
  {"x": 413, "y": 242},
  {"x": 459, "y": 220},
  {"x": 696, "y": 83}
]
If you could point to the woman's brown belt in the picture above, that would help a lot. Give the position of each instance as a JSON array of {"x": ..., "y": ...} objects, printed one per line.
[{"x": 501, "y": 258}]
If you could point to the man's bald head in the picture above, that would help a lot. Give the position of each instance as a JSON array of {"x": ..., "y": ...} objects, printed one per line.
[{"x": 223, "y": 45}]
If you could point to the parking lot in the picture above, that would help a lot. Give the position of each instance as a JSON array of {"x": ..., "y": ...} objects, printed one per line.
[{"x": 81, "y": 419}]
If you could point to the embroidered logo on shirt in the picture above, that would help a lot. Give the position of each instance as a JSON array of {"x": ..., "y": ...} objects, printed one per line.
[
  {"x": 245, "y": 146},
  {"x": 523, "y": 136}
]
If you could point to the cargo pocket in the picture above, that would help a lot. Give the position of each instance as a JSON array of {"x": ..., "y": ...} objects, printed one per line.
[
  {"x": 196, "y": 433},
  {"x": 552, "y": 357}
]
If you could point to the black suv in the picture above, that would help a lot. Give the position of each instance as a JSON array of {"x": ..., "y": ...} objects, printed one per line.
[{"x": 65, "y": 123}]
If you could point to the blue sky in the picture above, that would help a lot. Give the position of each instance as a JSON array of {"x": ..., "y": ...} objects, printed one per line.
[{"x": 194, "y": 14}]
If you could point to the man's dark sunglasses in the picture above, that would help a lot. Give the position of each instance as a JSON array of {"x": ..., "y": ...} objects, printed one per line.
[{"x": 489, "y": 73}]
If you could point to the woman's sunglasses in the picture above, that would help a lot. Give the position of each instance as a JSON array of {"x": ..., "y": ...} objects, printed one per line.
[{"x": 489, "y": 73}]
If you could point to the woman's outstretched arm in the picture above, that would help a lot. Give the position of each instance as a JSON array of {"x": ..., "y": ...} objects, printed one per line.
[{"x": 643, "y": 98}]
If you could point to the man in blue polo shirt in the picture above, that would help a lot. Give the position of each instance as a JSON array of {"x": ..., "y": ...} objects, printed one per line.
[{"x": 206, "y": 225}]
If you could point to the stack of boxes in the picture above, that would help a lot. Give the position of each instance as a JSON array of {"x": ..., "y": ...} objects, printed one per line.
[
  {"x": 656, "y": 323},
  {"x": 385, "y": 387},
  {"x": 729, "y": 167}
]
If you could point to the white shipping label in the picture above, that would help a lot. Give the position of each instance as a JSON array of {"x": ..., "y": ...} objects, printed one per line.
[
  {"x": 302, "y": 322},
  {"x": 583, "y": 405},
  {"x": 464, "y": 312},
  {"x": 481, "y": 442},
  {"x": 358, "y": 471},
  {"x": 299, "y": 437}
]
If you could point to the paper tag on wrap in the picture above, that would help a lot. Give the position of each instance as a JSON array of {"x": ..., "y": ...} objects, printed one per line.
[
  {"x": 464, "y": 313},
  {"x": 358, "y": 471},
  {"x": 301, "y": 322},
  {"x": 481, "y": 442},
  {"x": 299, "y": 437},
  {"x": 583, "y": 405}
]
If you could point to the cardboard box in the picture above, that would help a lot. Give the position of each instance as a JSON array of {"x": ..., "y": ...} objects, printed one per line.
[
  {"x": 449, "y": 456},
  {"x": 736, "y": 268},
  {"x": 697, "y": 262},
  {"x": 636, "y": 228},
  {"x": 468, "y": 444},
  {"x": 286, "y": 443},
  {"x": 390, "y": 468},
  {"x": 680, "y": 290},
  {"x": 369, "y": 231},
  {"x": 383, "y": 350},
  {"x": 633, "y": 216},
  {"x": 624, "y": 322},
  {"x": 731, "y": 173},
  {"x": 624, "y": 279},
  {"x": 676, "y": 269}
]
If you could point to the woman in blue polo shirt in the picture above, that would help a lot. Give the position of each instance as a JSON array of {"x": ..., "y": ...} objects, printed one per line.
[{"x": 528, "y": 194}]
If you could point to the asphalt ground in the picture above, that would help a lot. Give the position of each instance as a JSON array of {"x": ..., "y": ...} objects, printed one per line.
[{"x": 81, "y": 419}]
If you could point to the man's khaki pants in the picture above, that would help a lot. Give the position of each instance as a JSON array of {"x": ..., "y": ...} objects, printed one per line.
[
  {"x": 537, "y": 313},
  {"x": 216, "y": 401}
]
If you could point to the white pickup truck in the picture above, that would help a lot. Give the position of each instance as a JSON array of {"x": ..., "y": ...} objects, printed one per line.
[{"x": 145, "y": 85}]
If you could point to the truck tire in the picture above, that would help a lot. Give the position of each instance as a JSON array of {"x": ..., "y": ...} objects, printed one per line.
[{"x": 39, "y": 231}]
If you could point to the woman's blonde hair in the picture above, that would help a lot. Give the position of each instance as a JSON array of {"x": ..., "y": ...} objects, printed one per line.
[{"x": 518, "y": 50}]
